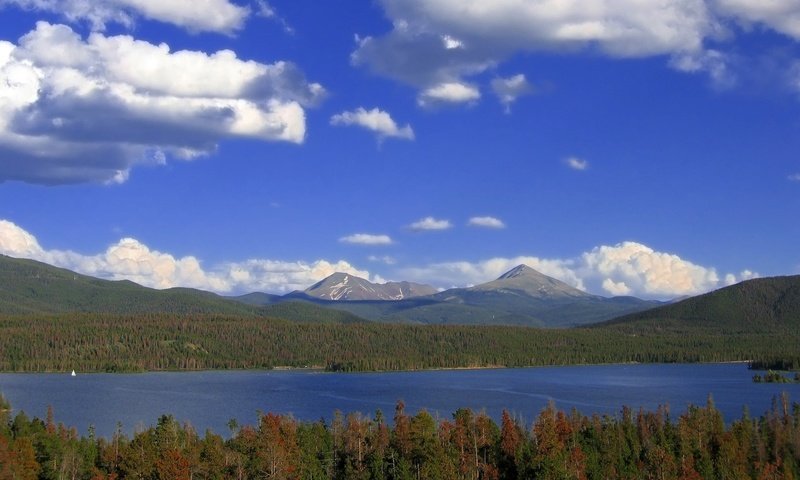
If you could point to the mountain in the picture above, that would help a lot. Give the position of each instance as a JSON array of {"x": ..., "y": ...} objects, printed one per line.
[
  {"x": 521, "y": 296},
  {"x": 343, "y": 286},
  {"x": 758, "y": 305},
  {"x": 524, "y": 280},
  {"x": 524, "y": 296}
]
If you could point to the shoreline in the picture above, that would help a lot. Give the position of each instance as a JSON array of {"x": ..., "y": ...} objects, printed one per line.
[{"x": 321, "y": 369}]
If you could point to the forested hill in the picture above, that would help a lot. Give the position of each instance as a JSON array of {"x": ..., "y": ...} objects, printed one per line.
[
  {"x": 758, "y": 305},
  {"x": 27, "y": 286}
]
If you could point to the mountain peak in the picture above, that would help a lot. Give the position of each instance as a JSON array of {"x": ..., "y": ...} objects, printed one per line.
[
  {"x": 339, "y": 277},
  {"x": 343, "y": 286},
  {"x": 519, "y": 271}
]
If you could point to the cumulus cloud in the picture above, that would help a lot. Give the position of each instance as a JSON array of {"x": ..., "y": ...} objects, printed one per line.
[
  {"x": 366, "y": 239},
  {"x": 615, "y": 288},
  {"x": 449, "y": 92},
  {"x": 486, "y": 222},
  {"x": 730, "y": 278},
  {"x": 78, "y": 110},
  {"x": 376, "y": 121},
  {"x": 508, "y": 90},
  {"x": 644, "y": 270},
  {"x": 430, "y": 223},
  {"x": 15, "y": 241},
  {"x": 129, "y": 259},
  {"x": 436, "y": 41},
  {"x": 220, "y": 16},
  {"x": 576, "y": 163},
  {"x": 282, "y": 276}
]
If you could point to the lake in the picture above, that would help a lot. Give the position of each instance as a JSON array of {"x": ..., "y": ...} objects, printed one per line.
[{"x": 209, "y": 399}]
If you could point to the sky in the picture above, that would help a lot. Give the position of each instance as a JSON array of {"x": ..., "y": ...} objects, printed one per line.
[{"x": 624, "y": 147}]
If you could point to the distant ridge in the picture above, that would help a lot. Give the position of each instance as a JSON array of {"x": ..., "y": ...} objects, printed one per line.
[{"x": 343, "y": 286}]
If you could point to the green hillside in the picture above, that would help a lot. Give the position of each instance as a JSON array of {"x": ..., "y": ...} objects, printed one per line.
[
  {"x": 302, "y": 312},
  {"x": 758, "y": 305},
  {"x": 27, "y": 286}
]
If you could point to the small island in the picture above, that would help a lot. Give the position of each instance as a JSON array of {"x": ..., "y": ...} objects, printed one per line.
[{"x": 776, "y": 377}]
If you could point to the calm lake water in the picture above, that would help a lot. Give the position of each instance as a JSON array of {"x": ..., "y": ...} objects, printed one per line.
[{"x": 208, "y": 400}]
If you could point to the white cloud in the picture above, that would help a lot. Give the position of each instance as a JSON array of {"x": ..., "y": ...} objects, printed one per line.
[
  {"x": 220, "y": 16},
  {"x": 615, "y": 288},
  {"x": 385, "y": 259},
  {"x": 15, "y": 241},
  {"x": 795, "y": 177},
  {"x": 283, "y": 277},
  {"x": 576, "y": 163},
  {"x": 130, "y": 259},
  {"x": 486, "y": 222},
  {"x": 266, "y": 10},
  {"x": 89, "y": 110},
  {"x": 748, "y": 275},
  {"x": 712, "y": 62},
  {"x": 436, "y": 41},
  {"x": 430, "y": 223},
  {"x": 510, "y": 88},
  {"x": 417, "y": 50},
  {"x": 780, "y": 15},
  {"x": 730, "y": 278},
  {"x": 646, "y": 271},
  {"x": 449, "y": 92},
  {"x": 366, "y": 239},
  {"x": 376, "y": 121},
  {"x": 451, "y": 43}
]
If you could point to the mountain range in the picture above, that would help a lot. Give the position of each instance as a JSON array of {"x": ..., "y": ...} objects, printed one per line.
[{"x": 521, "y": 296}]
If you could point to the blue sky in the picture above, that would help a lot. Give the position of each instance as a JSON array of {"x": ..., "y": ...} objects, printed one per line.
[{"x": 623, "y": 147}]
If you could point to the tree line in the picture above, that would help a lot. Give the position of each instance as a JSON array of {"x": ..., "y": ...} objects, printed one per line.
[
  {"x": 163, "y": 341},
  {"x": 641, "y": 444}
]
